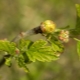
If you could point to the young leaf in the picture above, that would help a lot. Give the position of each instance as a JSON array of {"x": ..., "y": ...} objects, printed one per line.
[
  {"x": 78, "y": 9},
  {"x": 8, "y": 61},
  {"x": 24, "y": 44},
  {"x": 76, "y": 31},
  {"x": 56, "y": 44},
  {"x": 21, "y": 62},
  {"x": 78, "y": 47},
  {"x": 41, "y": 51},
  {"x": 7, "y": 46}
]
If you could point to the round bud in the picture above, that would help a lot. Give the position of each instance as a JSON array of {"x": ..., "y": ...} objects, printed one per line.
[{"x": 47, "y": 26}]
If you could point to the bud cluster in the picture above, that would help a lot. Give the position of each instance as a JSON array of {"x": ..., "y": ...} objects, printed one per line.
[{"x": 64, "y": 36}]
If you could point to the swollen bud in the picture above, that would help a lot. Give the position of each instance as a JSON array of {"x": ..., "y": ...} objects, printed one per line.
[{"x": 47, "y": 26}]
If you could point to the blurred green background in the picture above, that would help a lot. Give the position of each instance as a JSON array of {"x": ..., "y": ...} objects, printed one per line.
[{"x": 21, "y": 15}]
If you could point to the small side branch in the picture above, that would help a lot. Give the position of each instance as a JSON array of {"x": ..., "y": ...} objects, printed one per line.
[{"x": 20, "y": 36}]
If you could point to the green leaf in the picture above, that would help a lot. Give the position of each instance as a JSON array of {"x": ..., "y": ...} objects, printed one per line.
[
  {"x": 76, "y": 30},
  {"x": 24, "y": 44},
  {"x": 7, "y": 46},
  {"x": 78, "y": 19},
  {"x": 8, "y": 61},
  {"x": 56, "y": 44},
  {"x": 57, "y": 47},
  {"x": 78, "y": 9},
  {"x": 41, "y": 51},
  {"x": 78, "y": 46},
  {"x": 21, "y": 62}
]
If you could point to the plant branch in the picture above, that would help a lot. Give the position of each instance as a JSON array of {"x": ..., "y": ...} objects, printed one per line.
[
  {"x": 20, "y": 36},
  {"x": 27, "y": 33}
]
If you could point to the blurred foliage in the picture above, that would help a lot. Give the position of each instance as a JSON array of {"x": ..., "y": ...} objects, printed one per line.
[
  {"x": 20, "y": 15},
  {"x": 77, "y": 29},
  {"x": 78, "y": 46}
]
